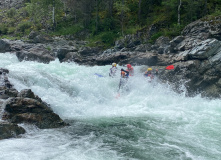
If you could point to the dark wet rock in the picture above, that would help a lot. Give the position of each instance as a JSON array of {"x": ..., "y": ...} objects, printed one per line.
[
  {"x": 143, "y": 48},
  {"x": 37, "y": 53},
  {"x": 31, "y": 111},
  {"x": 42, "y": 39},
  {"x": 204, "y": 29},
  {"x": 88, "y": 51},
  {"x": 9, "y": 130},
  {"x": 2, "y": 71},
  {"x": 4, "y": 46},
  {"x": 207, "y": 49},
  {"x": 62, "y": 52},
  {"x": 33, "y": 34}
]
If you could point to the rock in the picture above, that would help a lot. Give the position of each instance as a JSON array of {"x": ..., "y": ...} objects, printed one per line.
[
  {"x": 62, "y": 52},
  {"x": 148, "y": 59},
  {"x": 4, "y": 46},
  {"x": 42, "y": 39},
  {"x": 31, "y": 111},
  {"x": 33, "y": 34},
  {"x": 162, "y": 41},
  {"x": 204, "y": 29},
  {"x": 207, "y": 49},
  {"x": 143, "y": 47},
  {"x": 9, "y": 130},
  {"x": 88, "y": 51},
  {"x": 37, "y": 53}
]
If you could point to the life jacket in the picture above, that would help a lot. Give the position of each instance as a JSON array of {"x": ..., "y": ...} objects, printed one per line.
[
  {"x": 148, "y": 74},
  {"x": 124, "y": 74}
]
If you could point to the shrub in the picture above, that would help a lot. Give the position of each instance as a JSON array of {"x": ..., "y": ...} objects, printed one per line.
[
  {"x": 155, "y": 36},
  {"x": 11, "y": 13},
  {"x": 108, "y": 38},
  {"x": 11, "y": 30},
  {"x": 3, "y": 29},
  {"x": 173, "y": 31},
  {"x": 23, "y": 26},
  {"x": 68, "y": 30}
]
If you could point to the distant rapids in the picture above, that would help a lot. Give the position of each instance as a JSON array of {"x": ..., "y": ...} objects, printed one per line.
[{"x": 148, "y": 122}]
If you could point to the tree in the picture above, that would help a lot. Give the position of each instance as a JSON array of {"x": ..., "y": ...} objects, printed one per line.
[
  {"x": 42, "y": 10},
  {"x": 139, "y": 11},
  {"x": 121, "y": 9},
  {"x": 179, "y": 12}
]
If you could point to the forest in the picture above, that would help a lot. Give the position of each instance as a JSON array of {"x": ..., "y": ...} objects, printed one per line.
[{"x": 104, "y": 21}]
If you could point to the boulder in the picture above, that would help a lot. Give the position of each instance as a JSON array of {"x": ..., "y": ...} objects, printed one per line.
[
  {"x": 205, "y": 50},
  {"x": 42, "y": 39},
  {"x": 4, "y": 46},
  {"x": 31, "y": 111},
  {"x": 9, "y": 130},
  {"x": 37, "y": 53}
]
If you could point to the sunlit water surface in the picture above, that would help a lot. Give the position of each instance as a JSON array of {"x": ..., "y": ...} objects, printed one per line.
[{"x": 148, "y": 122}]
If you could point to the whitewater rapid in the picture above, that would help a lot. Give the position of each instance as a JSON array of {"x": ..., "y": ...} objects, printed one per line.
[{"x": 149, "y": 122}]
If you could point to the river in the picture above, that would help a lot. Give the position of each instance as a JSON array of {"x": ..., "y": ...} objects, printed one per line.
[{"x": 148, "y": 122}]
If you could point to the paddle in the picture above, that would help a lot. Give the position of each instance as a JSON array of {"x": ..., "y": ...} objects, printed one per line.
[{"x": 99, "y": 75}]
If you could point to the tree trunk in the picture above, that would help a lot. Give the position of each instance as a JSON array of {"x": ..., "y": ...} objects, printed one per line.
[
  {"x": 179, "y": 12},
  {"x": 122, "y": 18},
  {"x": 205, "y": 8},
  {"x": 96, "y": 16},
  {"x": 111, "y": 3},
  {"x": 139, "y": 11},
  {"x": 53, "y": 15}
]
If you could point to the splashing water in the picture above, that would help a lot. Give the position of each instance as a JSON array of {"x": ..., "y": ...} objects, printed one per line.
[{"x": 148, "y": 122}]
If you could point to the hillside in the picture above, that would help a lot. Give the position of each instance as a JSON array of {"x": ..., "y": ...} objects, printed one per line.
[{"x": 102, "y": 22}]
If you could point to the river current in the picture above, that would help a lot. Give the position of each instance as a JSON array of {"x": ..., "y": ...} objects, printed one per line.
[{"x": 148, "y": 122}]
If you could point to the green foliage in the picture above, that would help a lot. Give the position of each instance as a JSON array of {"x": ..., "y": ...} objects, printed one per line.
[
  {"x": 9, "y": 37},
  {"x": 24, "y": 26},
  {"x": 11, "y": 12},
  {"x": 103, "y": 39},
  {"x": 132, "y": 29},
  {"x": 106, "y": 21},
  {"x": 68, "y": 30},
  {"x": 108, "y": 38},
  {"x": 11, "y": 30},
  {"x": 3, "y": 29},
  {"x": 154, "y": 37},
  {"x": 217, "y": 12},
  {"x": 48, "y": 48},
  {"x": 173, "y": 31}
]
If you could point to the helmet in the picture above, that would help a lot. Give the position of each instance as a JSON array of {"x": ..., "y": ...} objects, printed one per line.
[
  {"x": 149, "y": 69},
  {"x": 128, "y": 65},
  {"x": 114, "y": 64}
]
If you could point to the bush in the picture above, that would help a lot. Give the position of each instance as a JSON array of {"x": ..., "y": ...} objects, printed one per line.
[
  {"x": 173, "y": 31},
  {"x": 108, "y": 38},
  {"x": 23, "y": 26},
  {"x": 155, "y": 36},
  {"x": 3, "y": 29},
  {"x": 11, "y": 30},
  {"x": 69, "y": 30},
  {"x": 11, "y": 12}
]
